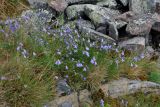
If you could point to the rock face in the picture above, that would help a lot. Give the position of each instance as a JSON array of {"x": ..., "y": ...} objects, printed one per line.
[
  {"x": 107, "y": 3},
  {"x": 80, "y": 24},
  {"x": 137, "y": 44},
  {"x": 141, "y": 25},
  {"x": 35, "y": 3},
  {"x": 97, "y": 36},
  {"x": 114, "y": 89},
  {"x": 66, "y": 101},
  {"x": 58, "y": 5},
  {"x": 75, "y": 11},
  {"x": 63, "y": 88},
  {"x": 100, "y": 15},
  {"x": 144, "y": 6}
]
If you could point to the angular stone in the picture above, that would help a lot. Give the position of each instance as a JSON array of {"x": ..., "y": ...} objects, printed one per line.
[
  {"x": 66, "y": 100},
  {"x": 137, "y": 44},
  {"x": 66, "y": 104},
  {"x": 63, "y": 88},
  {"x": 149, "y": 52},
  {"x": 97, "y": 36},
  {"x": 75, "y": 11},
  {"x": 144, "y": 6},
  {"x": 100, "y": 15},
  {"x": 108, "y": 3},
  {"x": 140, "y": 25},
  {"x": 124, "y": 87},
  {"x": 84, "y": 23},
  {"x": 136, "y": 6},
  {"x": 127, "y": 16},
  {"x": 102, "y": 29},
  {"x": 113, "y": 32},
  {"x": 58, "y": 5}
]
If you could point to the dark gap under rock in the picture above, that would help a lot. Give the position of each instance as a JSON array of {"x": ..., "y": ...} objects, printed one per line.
[
  {"x": 89, "y": 2},
  {"x": 122, "y": 33},
  {"x": 155, "y": 39},
  {"x": 122, "y": 8}
]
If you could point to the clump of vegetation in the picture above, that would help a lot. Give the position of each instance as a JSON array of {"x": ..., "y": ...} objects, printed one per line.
[{"x": 30, "y": 59}]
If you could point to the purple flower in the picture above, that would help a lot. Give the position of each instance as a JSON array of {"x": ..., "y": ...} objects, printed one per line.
[
  {"x": 58, "y": 62},
  {"x": 142, "y": 56},
  {"x": 87, "y": 48},
  {"x": 93, "y": 61},
  {"x": 2, "y": 31},
  {"x": 75, "y": 46},
  {"x": 102, "y": 103},
  {"x": 79, "y": 65},
  {"x": 66, "y": 76},
  {"x": 122, "y": 53},
  {"x": 86, "y": 53}
]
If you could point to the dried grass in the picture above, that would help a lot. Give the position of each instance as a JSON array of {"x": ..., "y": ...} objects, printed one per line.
[{"x": 8, "y": 9}]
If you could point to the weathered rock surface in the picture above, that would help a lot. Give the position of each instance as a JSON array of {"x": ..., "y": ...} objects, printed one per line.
[
  {"x": 113, "y": 32},
  {"x": 137, "y": 44},
  {"x": 100, "y": 15},
  {"x": 113, "y": 89},
  {"x": 36, "y": 3},
  {"x": 127, "y": 16},
  {"x": 140, "y": 25},
  {"x": 85, "y": 98},
  {"x": 144, "y": 6},
  {"x": 108, "y": 3},
  {"x": 80, "y": 24},
  {"x": 102, "y": 29},
  {"x": 66, "y": 101},
  {"x": 63, "y": 88},
  {"x": 97, "y": 36},
  {"x": 58, "y": 5},
  {"x": 61, "y": 5},
  {"x": 75, "y": 11},
  {"x": 123, "y": 87}
]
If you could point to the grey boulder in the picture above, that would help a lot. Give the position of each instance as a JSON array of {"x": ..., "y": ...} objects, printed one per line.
[
  {"x": 141, "y": 25},
  {"x": 75, "y": 11},
  {"x": 107, "y": 3},
  {"x": 100, "y": 15},
  {"x": 137, "y": 44},
  {"x": 80, "y": 24}
]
